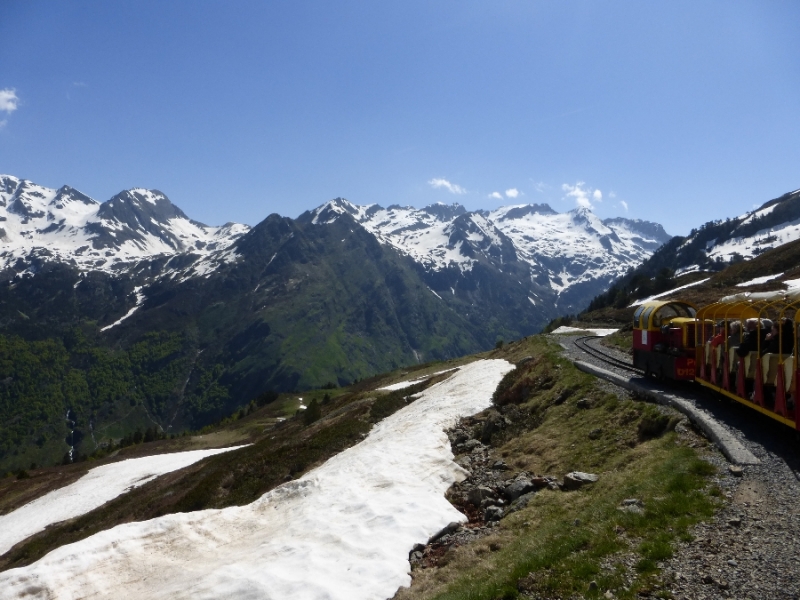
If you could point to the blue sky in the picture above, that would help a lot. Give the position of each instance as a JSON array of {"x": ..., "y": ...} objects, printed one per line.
[{"x": 678, "y": 112}]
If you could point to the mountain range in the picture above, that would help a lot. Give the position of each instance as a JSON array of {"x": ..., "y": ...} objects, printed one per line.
[{"x": 128, "y": 314}]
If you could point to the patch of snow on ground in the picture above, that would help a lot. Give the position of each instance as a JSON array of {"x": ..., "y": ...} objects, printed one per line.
[
  {"x": 662, "y": 294},
  {"x": 758, "y": 280},
  {"x": 563, "y": 330},
  {"x": 405, "y": 384},
  {"x": 98, "y": 486},
  {"x": 342, "y": 531},
  {"x": 792, "y": 283},
  {"x": 139, "y": 300}
]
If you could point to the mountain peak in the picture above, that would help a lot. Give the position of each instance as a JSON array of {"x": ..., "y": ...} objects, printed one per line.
[{"x": 445, "y": 212}]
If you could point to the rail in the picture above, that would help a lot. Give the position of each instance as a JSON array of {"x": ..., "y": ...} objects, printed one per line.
[{"x": 582, "y": 344}]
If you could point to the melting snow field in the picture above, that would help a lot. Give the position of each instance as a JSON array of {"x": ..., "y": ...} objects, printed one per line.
[
  {"x": 94, "y": 489},
  {"x": 404, "y": 384},
  {"x": 758, "y": 280},
  {"x": 668, "y": 292},
  {"x": 564, "y": 330},
  {"x": 342, "y": 531}
]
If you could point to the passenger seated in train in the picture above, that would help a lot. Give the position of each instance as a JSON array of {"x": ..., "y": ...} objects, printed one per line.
[
  {"x": 719, "y": 336},
  {"x": 777, "y": 342},
  {"x": 734, "y": 337},
  {"x": 787, "y": 339},
  {"x": 754, "y": 333}
]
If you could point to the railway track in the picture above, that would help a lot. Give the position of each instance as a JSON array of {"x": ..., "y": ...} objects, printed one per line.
[{"x": 582, "y": 344}]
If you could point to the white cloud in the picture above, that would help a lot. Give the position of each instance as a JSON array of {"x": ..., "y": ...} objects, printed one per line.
[
  {"x": 582, "y": 195},
  {"x": 512, "y": 193},
  {"x": 540, "y": 186},
  {"x": 8, "y": 100},
  {"x": 624, "y": 205},
  {"x": 453, "y": 188},
  {"x": 496, "y": 195},
  {"x": 612, "y": 195},
  {"x": 3, "y": 123}
]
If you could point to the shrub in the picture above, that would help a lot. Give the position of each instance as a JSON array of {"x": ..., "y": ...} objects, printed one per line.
[{"x": 312, "y": 413}]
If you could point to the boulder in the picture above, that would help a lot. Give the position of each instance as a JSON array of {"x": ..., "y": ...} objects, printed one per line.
[
  {"x": 477, "y": 495},
  {"x": 518, "y": 487},
  {"x": 520, "y": 502},
  {"x": 577, "y": 479},
  {"x": 494, "y": 422},
  {"x": 451, "y": 528},
  {"x": 470, "y": 445},
  {"x": 492, "y": 513}
]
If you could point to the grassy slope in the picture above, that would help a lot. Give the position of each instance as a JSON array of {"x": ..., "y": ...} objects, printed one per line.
[
  {"x": 540, "y": 549},
  {"x": 563, "y": 541}
]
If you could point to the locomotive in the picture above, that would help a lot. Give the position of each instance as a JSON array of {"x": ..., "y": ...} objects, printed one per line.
[{"x": 676, "y": 340}]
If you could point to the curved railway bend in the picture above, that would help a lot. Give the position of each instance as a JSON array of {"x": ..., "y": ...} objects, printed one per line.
[{"x": 751, "y": 549}]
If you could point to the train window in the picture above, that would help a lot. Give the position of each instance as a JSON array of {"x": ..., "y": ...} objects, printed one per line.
[
  {"x": 672, "y": 310},
  {"x": 646, "y": 317},
  {"x": 636, "y": 316}
]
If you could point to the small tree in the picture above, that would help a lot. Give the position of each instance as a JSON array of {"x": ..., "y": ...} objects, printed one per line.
[{"x": 312, "y": 413}]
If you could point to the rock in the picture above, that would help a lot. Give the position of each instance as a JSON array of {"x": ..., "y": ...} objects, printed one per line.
[
  {"x": 520, "y": 503},
  {"x": 500, "y": 465},
  {"x": 492, "y": 513},
  {"x": 517, "y": 488},
  {"x": 494, "y": 422},
  {"x": 632, "y": 505},
  {"x": 735, "y": 521},
  {"x": 736, "y": 471},
  {"x": 733, "y": 563},
  {"x": 416, "y": 556},
  {"x": 708, "y": 579},
  {"x": 592, "y": 586},
  {"x": 562, "y": 395},
  {"x": 539, "y": 482},
  {"x": 470, "y": 445},
  {"x": 479, "y": 494},
  {"x": 583, "y": 403},
  {"x": 451, "y": 528},
  {"x": 577, "y": 479},
  {"x": 595, "y": 434},
  {"x": 460, "y": 437}
]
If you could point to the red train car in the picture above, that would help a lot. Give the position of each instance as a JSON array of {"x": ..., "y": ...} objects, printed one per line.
[{"x": 664, "y": 339}]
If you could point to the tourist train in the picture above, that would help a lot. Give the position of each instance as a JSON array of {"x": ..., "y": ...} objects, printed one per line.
[{"x": 743, "y": 346}]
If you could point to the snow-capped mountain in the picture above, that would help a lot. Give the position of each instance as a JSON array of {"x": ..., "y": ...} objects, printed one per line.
[
  {"x": 571, "y": 255},
  {"x": 717, "y": 243},
  {"x": 66, "y": 225}
]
